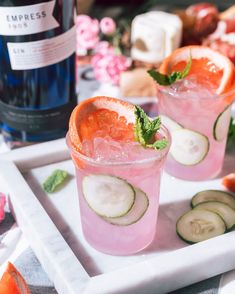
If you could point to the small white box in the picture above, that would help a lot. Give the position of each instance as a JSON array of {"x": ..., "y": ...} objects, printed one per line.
[{"x": 154, "y": 35}]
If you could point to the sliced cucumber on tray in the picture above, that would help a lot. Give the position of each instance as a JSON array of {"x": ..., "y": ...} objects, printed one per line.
[
  {"x": 213, "y": 214},
  {"x": 213, "y": 195},
  {"x": 198, "y": 225},
  {"x": 189, "y": 147},
  {"x": 222, "y": 209},
  {"x": 114, "y": 199},
  {"x": 221, "y": 124}
]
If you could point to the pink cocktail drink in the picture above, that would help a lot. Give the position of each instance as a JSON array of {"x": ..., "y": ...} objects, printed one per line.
[
  {"x": 118, "y": 184},
  {"x": 198, "y": 120},
  {"x": 141, "y": 168}
]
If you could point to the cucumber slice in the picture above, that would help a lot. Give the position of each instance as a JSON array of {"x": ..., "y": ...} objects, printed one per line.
[
  {"x": 213, "y": 195},
  {"x": 221, "y": 125},
  {"x": 108, "y": 196},
  {"x": 189, "y": 147},
  {"x": 136, "y": 213},
  {"x": 222, "y": 209},
  {"x": 198, "y": 225},
  {"x": 170, "y": 123}
]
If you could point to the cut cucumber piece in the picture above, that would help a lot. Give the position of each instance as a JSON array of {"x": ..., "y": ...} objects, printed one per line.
[
  {"x": 198, "y": 225},
  {"x": 213, "y": 195},
  {"x": 136, "y": 213},
  {"x": 221, "y": 125},
  {"x": 222, "y": 209},
  {"x": 108, "y": 196},
  {"x": 189, "y": 147},
  {"x": 170, "y": 123}
]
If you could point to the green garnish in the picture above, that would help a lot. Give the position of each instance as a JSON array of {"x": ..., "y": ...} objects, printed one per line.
[
  {"x": 146, "y": 129},
  {"x": 56, "y": 179},
  {"x": 166, "y": 80}
]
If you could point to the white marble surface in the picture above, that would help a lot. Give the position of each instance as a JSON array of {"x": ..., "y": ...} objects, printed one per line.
[
  {"x": 50, "y": 247},
  {"x": 52, "y": 226}
]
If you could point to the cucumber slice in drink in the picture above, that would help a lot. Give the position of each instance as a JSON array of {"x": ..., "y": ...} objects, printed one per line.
[
  {"x": 107, "y": 195},
  {"x": 170, "y": 123},
  {"x": 213, "y": 195},
  {"x": 198, "y": 225},
  {"x": 221, "y": 125},
  {"x": 189, "y": 147},
  {"x": 136, "y": 213},
  {"x": 222, "y": 209}
]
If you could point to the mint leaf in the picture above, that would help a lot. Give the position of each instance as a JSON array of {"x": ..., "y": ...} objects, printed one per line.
[
  {"x": 56, "y": 179},
  {"x": 160, "y": 144},
  {"x": 166, "y": 80},
  {"x": 161, "y": 79},
  {"x": 146, "y": 129},
  {"x": 186, "y": 70},
  {"x": 141, "y": 124}
]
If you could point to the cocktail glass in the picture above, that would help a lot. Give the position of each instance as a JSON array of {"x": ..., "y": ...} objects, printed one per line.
[
  {"x": 198, "y": 121},
  {"x": 132, "y": 167}
]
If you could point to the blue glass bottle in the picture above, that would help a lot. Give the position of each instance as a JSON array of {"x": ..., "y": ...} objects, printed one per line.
[{"x": 37, "y": 69}]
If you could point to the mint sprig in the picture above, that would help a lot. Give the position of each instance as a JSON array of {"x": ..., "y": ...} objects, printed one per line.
[
  {"x": 166, "y": 80},
  {"x": 146, "y": 129},
  {"x": 56, "y": 179}
]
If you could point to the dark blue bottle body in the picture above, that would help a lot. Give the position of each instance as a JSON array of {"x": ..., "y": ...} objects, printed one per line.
[{"x": 35, "y": 103}]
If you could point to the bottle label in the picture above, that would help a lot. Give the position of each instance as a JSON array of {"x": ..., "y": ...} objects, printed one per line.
[
  {"x": 37, "y": 54},
  {"x": 27, "y": 20},
  {"x": 36, "y": 121}
]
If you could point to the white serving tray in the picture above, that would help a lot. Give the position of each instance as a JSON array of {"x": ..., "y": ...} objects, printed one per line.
[{"x": 52, "y": 227}]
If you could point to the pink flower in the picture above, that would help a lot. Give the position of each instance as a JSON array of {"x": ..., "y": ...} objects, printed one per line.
[
  {"x": 108, "y": 67},
  {"x": 87, "y": 32},
  {"x": 2, "y": 205},
  {"x": 107, "y": 26},
  {"x": 104, "y": 48}
]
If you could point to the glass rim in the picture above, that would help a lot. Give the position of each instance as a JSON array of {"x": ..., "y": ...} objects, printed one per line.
[
  {"x": 159, "y": 153},
  {"x": 164, "y": 90}
]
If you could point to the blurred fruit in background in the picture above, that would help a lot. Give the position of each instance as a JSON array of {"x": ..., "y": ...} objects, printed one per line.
[
  {"x": 223, "y": 38},
  {"x": 199, "y": 20}
]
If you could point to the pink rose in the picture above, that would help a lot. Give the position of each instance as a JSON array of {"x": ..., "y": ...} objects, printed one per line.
[
  {"x": 87, "y": 32},
  {"x": 2, "y": 205},
  {"x": 108, "y": 67},
  {"x": 107, "y": 26},
  {"x": 104, "y": 48}
]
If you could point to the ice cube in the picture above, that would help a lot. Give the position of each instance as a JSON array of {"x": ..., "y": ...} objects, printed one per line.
[
  {"x": 192, "y": 88},
  {"x": 106, "y": 149},
  {"x": 134, "y": 151},
  {"x": 100, "y": 148},
  {"x": 87, "y": 148}
]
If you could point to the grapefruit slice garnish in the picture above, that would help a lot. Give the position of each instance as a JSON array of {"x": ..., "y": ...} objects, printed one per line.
[
  {"x": 108, "y": 116},
  {"x": 207, "y": 65},
  {"x": 229, "y": 182},
  {"x": 12, "y": 282}
]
